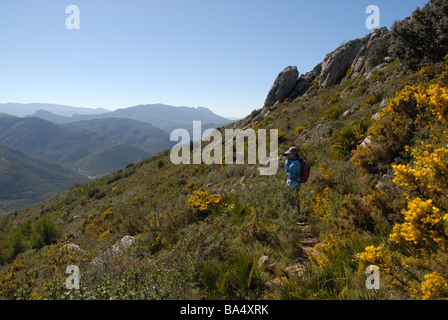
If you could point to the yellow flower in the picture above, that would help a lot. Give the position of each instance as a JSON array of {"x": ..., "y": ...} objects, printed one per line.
[
  {"x": 377, "y": 256},
  {"x": 323, "y": 250},
  {"x": 204, "y": 201},
  {"x": 434, "y": 286},
  {"x": 423, "y": 224},
  {"x": 437, "y": 99},
  {"x": 322, "y": 204}
]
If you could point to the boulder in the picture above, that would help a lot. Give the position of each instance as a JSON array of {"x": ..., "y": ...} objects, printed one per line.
[
  {"x": 71, "y": 247},
  {"x": 124, "y": 243},
  {"x": 282, "y": 87},
  {"x": 379, "y": 67},
  {"x": 118, "y": 248}
]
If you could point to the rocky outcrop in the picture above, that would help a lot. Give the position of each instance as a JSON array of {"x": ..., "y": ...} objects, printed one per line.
[
  {"x": 360, "y": 65},
  {"x": 337, "y": 63},
  {"x": 351, "y": 56},
  {"x": 117, "y": 249},
  {"x": 305, "y": 82},
  {"x": 282, "y": 87}
]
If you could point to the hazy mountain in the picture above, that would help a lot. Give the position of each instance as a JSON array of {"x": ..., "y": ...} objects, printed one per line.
[
  {"x": 47, "y": 115},
  {"x": 140, "y": 134},
  {"x": 79, "y": 148},
  {"x": 21, "y": 110},
  {"x": 161, "y": 116},
  {"x": 26, "y": 179},
  {"x": 165, "y": 117}
]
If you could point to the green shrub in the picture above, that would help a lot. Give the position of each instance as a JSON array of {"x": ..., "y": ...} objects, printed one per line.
[
  {"x": 350, "y": 137},
  {"x": 18, "y": 245},
  {"x": 333, "y": 113},
  {"x": 45, "y": 232},
  {"x": 423, "y": 38},
  {"x": 378, "y": 52}
]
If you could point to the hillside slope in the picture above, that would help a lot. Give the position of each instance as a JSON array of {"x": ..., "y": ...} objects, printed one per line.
[
  {"x": 26, "y": 179},
  {"x": 378, "y": 150},
  {"x": 196, "y": 222}
]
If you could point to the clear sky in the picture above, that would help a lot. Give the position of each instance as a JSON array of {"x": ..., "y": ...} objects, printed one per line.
[{"x": 219, "y": 54}]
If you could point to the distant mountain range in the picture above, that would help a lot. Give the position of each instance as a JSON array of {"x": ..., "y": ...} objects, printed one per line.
[
  {"x": 81, "y": 143},
  {"x": 162, "y": 116},
  {"x": 21, "y": 109}
]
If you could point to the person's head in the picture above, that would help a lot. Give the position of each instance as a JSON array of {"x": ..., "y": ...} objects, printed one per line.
[{"x": 292, "y": 153}]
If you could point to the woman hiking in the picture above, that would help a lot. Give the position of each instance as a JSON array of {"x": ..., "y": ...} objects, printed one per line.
[{"x": 293, "y": 168}]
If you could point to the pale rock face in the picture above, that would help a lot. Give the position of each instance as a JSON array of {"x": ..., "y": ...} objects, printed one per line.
[
  {"x": 282, "y": 87},
  {"x": 352, "y": 55},
  {"x": 336, "y": 64}
]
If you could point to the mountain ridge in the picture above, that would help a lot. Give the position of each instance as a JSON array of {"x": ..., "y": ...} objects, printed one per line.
[
  {"x": 160, "y": 115},
  {"x": 25, "y": 109}
]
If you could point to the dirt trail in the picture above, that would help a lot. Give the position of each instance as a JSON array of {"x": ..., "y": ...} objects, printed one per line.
[{"x": 307, "y": 242}]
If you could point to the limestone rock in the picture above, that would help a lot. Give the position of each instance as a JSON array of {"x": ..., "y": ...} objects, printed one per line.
[
  {"x": 305, "y": 82},
  {"x": 337, "y": 63},
  {"x": 263, "y": 259},
  {"x": 124, "y": 243},
  {"x": 118, "y": 248},
  {"x": 282, "y": 87},
  {"x": 359, "y": 66},
  {"x": 379, "y": 67},
  {"x": 353, "y": 55},
  {"x": 71, "y": 247}
]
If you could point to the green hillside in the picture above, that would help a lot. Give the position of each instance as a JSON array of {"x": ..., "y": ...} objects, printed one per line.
[
  {"x": 26, "y": 179},
  {"x": 377, "y": 146},
  {"x": 78, "y": 148}
]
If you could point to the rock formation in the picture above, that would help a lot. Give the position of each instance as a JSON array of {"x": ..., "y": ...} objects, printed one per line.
[
  {"x": 282, "y": 87},
  {"x": 305, "y": 82},
  {"x": 351, "y": 56}
]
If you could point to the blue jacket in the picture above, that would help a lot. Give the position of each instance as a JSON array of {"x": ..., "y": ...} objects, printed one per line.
[{"x": 293, "y": 168}]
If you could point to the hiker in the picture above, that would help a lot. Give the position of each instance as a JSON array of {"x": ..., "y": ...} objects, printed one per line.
[{"x": 293, "y": 169}]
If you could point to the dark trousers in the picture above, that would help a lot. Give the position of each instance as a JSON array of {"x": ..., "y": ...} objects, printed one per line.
[{"x": 295, "y": 203}]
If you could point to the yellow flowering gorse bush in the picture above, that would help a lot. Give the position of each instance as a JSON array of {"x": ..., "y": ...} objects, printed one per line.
[
  {"x": 320, "y": 257},
  {"x": 322, "y": 205},
  {"x": 377, "y": 256},
  {"x": 203, "y": 201},
  {"x": 423, "y": 224},
  {"x": 434, "y": 286},
  {"x": 437, "y": 99},
  {"x": 427, "y": 179}
]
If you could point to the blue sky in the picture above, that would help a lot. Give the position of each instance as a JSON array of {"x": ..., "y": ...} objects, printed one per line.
[{"x": 223, "y": 55}]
